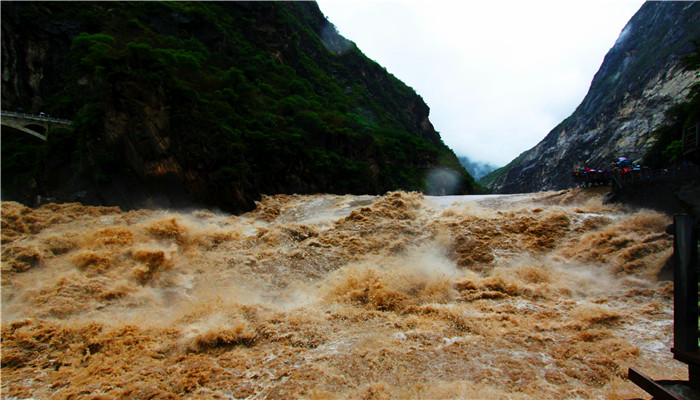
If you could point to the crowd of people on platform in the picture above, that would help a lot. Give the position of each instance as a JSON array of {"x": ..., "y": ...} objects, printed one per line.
[
  {"x": 603, "y": 177},
  {"x": 624, "y": 172},
  {"x": 591, "y": 177}
]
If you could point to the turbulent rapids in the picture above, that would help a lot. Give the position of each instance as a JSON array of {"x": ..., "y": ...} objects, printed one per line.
[{"x": 542, "y": 296}]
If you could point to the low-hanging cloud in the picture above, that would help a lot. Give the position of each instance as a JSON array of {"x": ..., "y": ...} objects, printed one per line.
[{"x": 497, "y": 76}]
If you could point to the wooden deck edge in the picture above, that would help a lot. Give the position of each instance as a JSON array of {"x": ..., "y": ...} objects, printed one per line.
[{"x": 651, "y": 386}]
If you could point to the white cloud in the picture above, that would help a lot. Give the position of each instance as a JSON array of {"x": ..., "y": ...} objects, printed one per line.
[{"x": 497, "y": 76}]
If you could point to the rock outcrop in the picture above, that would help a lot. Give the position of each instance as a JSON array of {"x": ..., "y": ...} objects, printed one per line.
[
  {"x": 641, "y": 76},
  {"x": 211, "y": 104}
]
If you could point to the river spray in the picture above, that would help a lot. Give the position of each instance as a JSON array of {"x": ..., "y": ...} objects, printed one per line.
[{"x": 547, "y": 296}]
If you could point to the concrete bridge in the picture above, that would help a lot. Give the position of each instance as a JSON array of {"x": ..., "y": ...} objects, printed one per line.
[{"x": 35, "y": 125}]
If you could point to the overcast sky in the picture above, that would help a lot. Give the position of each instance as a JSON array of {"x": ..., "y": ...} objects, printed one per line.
[{"x": 497, "y": 75}]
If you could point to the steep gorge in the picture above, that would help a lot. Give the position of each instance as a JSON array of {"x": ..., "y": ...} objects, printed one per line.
[
  {"x": 210, "y": 104},
  {"x": 640, "y": 78}
]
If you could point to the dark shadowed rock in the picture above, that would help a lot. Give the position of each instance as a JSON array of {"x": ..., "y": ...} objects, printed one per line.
[{"x": 210, "y": 104}]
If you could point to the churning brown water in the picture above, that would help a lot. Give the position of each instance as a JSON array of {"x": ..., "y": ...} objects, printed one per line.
[{"x": 545, "y": 296}]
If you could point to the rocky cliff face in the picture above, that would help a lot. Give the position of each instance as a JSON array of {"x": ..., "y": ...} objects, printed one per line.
[
  {"x": 211, "y": 104},
  {"x": 641, "y": 76}
]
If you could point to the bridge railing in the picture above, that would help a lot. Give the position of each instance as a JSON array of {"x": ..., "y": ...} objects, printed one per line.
[
  {"x": 35, "y": 117},
  {"x": 658, "y": 175},
  {"x": 634, "y": 177},
  {"x": 691, "y": 138}
]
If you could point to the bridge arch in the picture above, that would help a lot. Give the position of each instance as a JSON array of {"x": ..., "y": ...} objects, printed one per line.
[
  {"x": 11, "y": 130},
  {"x": 35, "y": 125},
  {"x": 41, "y": 129}
]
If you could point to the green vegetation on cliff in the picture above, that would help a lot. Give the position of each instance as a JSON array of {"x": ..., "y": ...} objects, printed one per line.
[
  {"x": 639, "y": 79},
  {"x": 667, "y": 149},
  {"x": 237, "y": 99}
]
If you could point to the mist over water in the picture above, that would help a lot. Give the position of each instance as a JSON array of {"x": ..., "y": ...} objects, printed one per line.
[{"x": 543, "y": 296}]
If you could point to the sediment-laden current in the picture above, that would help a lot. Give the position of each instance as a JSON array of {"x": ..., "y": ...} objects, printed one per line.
[{"x": 543, "y": 296}]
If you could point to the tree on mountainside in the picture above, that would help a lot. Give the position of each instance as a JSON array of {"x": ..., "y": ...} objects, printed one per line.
[{"x": 225, "y": 100}]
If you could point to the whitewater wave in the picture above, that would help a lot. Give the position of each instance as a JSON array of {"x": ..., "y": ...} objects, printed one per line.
[{"x": 550, "y": 295}]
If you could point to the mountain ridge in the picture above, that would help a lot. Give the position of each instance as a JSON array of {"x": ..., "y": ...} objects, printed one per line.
[
  {"x": 640, "y": 78},
  {"x": 477, "y": 169},
  {"x": 210, "y": 103}
]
